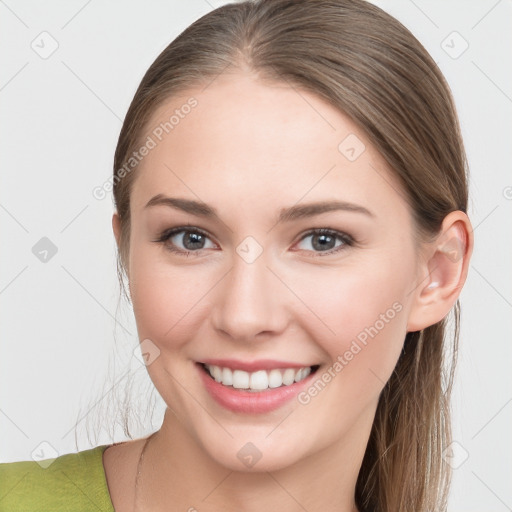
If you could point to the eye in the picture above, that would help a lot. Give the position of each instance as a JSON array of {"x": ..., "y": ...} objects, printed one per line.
[
  {"x": 326, "y": 241},
  {"x": 188, "y": 241},
  {"x": 185, "y": 241}
]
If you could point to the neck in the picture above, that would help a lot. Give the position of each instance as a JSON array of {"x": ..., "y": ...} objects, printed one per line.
[{"x": 178, "y": 474}]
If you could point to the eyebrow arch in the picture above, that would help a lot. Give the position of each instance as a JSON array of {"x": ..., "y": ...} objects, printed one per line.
[{"x": 295, "y": 212}]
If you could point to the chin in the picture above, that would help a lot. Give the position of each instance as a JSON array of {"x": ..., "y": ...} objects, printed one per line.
[{"x": 259, "y": 455}]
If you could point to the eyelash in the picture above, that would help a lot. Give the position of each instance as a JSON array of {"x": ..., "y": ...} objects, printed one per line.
[{"x": 347, "y": 240}]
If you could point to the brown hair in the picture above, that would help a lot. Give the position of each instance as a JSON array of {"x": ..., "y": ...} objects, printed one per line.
[{"x": 369, "y": 66}]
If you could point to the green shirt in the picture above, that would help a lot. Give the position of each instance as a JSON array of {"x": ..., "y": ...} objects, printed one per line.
[{"x": 73, "y": 482}]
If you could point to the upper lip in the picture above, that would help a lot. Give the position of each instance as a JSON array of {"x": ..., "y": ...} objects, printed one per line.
[{"x": 253, "y": 366}]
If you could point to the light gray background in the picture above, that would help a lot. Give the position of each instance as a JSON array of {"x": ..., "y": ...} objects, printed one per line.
[{"x": 59, "y": 363}]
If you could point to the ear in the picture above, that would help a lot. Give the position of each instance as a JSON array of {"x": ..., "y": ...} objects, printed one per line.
[
  {"x": 442, "y": 273},
  {"x": 116, "y": 226}
]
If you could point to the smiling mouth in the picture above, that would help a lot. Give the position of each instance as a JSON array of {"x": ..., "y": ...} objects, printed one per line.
[{"x": 260, "y": 380}]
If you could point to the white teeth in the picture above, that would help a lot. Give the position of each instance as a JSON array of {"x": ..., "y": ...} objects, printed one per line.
[
  {"x": 289, "y": 376},
  {"x": 302, "y": 374},
  {"x": 275, "y": 379},
  {"x": 217, "y": 373},
  {"x": 227, "y": 377},
  {"x": 240, "y": 379},
  {"x": 259, "y": 380}
]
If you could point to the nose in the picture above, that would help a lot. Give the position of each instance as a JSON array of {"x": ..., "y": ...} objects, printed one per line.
[{"x": 250, "y": 302}]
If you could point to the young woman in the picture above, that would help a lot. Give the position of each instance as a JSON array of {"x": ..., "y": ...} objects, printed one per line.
[{"x": 291, "y": 196}]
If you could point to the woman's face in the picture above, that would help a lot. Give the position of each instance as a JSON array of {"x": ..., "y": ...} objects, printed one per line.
[{"x": 255, "y": 283}]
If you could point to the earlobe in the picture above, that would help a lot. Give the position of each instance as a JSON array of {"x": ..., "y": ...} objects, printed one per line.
[{"x": 442, "y": 273}]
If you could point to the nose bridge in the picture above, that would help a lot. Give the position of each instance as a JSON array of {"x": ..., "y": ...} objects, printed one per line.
[{"x": 248, "y": 300}]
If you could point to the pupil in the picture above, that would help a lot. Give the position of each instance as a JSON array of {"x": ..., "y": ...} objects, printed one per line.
[
  {"x": 323, "y": 244},
  {"x": 194, "y": 238}
]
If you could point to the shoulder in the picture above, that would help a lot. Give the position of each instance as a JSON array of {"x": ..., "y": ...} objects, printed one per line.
[{"x": 71, "y": 482}]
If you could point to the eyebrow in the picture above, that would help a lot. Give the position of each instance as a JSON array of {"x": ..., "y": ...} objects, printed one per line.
[{"x": 292, "y": 213}]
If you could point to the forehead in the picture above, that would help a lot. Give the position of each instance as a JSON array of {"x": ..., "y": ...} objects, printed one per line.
[{"x": 240, "y": 137}]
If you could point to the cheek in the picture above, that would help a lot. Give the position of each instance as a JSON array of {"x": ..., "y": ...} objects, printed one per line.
[
  {"x": 360, "y": 312},
  {"x": 364, "y": 315},
  {"x": 166, "y": 299}
]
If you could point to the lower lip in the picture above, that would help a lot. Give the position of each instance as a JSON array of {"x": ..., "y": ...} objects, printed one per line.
[{"x": 250, "y": 402}]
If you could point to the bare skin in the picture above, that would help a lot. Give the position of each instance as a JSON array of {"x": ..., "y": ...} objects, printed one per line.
[
  {"x": 250, "y": 149},
  {"x": 120, "y": 463}
]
